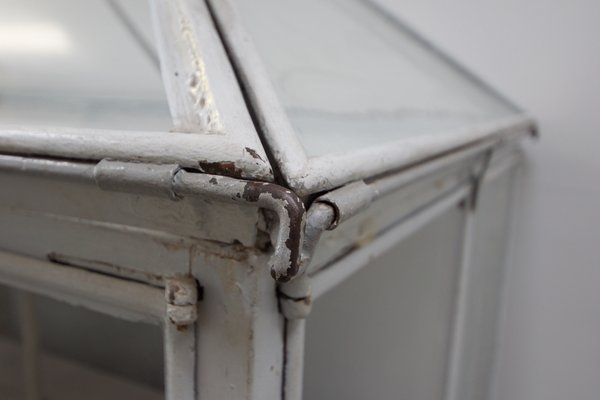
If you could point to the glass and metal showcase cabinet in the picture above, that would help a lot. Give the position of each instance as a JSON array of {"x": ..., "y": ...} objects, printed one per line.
[{"x": 227, "y": 199}]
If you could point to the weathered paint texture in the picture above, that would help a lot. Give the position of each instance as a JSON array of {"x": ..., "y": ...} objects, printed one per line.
[{"x": 291, "y": 224}]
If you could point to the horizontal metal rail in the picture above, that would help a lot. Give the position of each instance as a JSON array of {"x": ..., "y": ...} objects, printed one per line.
[
  {"x": 294, "y": 244},
  {"x": 117, "y": 297},
  {"x": 170, "y": 180},
  {"x": 68, "y": 170}
]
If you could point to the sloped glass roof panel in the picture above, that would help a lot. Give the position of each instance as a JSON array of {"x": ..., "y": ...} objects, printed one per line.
[
  {"x": 123, "y": 79},
  {"x": 348, "y": 76},
  {"x": 89, "y": 64}
]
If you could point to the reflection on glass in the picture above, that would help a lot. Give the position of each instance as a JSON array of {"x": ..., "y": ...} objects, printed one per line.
[
  {"x": 80, "y": 64},
  {"x": 348, "y": 76}
]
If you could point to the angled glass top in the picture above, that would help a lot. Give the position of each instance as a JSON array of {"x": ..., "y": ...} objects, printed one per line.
[
  {"x": 348, "y": 76},
  {"x": 79, "y": 63}
]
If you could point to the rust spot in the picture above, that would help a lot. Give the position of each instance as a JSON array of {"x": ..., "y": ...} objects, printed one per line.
[
  {"x": 295, "y": 211},
  {"x": 237, "y": 256},
  {"x": 252, "y": 191},
  {"x": 182, "y": 328},
  {"x": 226, "y": 251},
  {"x": 367, "y": 233},
  {"x": 235, "y": 251},
  {"x": 103, "y": 267},
  {"x": 174, "y": 288},
  {"x": 254, "y": 154},
  {"x": 263, "y": 240},
  {"x": 220, "y": 168}
]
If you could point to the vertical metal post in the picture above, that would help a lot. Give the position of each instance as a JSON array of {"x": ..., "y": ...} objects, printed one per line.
[
  {"x": 515, "y": 212},
  {"x": 294, "y": 359},
  {"x": 29, "y": 345},
  {"x": 295, "y": 299},
  {"x": 456, "y": 351},
  {"x": 180, "y": 338},
  {"x": 454, "y": 386},
  {"x": 241, "y": 342}
]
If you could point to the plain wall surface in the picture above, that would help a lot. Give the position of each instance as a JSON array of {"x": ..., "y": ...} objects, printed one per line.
[{"x": 546, "y": 57}]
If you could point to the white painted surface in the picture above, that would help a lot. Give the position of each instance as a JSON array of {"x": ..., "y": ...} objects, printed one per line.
[{"x": 545, "y": 56}]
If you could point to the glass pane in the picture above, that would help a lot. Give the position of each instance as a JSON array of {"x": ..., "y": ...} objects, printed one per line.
[
  {"x": 349, "y": 76},
  {"x": 81, "y": 64},
  {"x": 82, "y": 354},
  {"x": 391, "y": 341}
]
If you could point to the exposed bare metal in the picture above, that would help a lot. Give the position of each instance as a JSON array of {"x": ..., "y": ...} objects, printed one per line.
[{"x": 287, "y": 206}]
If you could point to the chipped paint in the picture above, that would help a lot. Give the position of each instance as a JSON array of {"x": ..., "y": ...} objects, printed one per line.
[
  {"x": 254, "y": 154},
  {"x": 291, "y": 224},
  {"x": 226, "y": 251},
  {"x": 198, "y": 84},
  {"x": 227, "y": 168},
  {"x": 105, "y": 267},
  {"x": 181, "y": 295},
  {"x": 287, "y": 233}
]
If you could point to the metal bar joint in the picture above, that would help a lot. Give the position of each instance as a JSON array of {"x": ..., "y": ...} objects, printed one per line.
[
  {"x": 181, "y": 295},
  {"x": 477, "y": 177},
  {"x": 295, "y": 298}
]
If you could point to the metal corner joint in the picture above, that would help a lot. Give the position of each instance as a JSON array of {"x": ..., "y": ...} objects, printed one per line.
[{"x": 169, "y": 180}]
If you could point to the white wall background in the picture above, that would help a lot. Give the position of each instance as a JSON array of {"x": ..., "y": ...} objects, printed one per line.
[{"x": 545, "y": 55}]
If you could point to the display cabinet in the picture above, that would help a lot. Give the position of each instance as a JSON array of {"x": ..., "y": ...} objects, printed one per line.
[{"x": 222, "y": 189}]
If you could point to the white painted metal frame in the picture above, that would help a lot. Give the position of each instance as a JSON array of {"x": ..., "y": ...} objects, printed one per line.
[
  {"x": 213, "y": 131},
  {"x": 327, "y": 277},
  {"x": 307, "y": 175},
  {"x": 456, "y": 379},
  {"x": 131, "y": 300}
]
